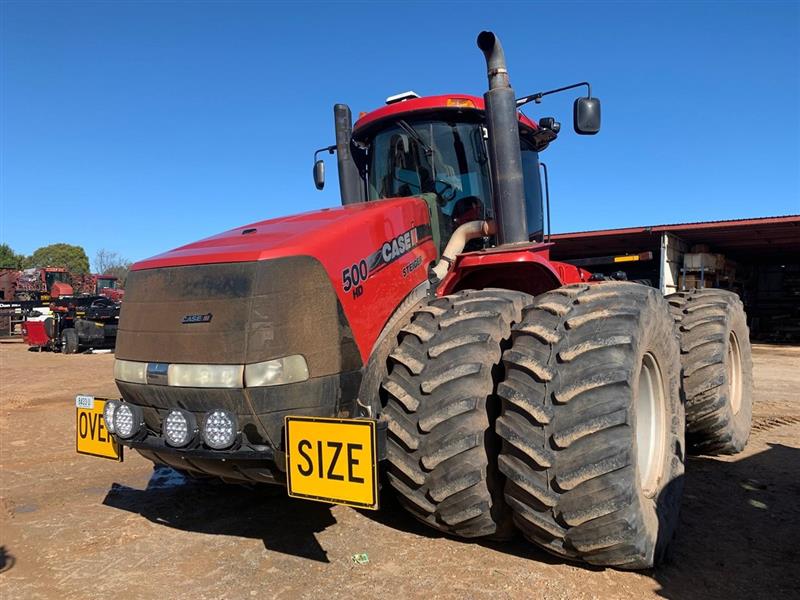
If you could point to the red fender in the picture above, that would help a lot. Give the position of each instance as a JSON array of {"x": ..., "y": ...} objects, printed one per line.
[{"x": 525, "y": 268}]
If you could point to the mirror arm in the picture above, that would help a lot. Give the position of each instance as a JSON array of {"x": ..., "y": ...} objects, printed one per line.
[
  {"x": 328, "y": 149},
  {"x": 537, "y": 97}
]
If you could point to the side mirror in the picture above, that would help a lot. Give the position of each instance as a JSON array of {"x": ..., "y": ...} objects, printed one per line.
[
  {"x": 586, "y": 116},
  {"x": 319, "y": 174}
]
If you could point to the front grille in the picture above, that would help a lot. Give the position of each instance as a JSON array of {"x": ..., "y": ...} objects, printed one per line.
[{"x": 258, "y": 311}]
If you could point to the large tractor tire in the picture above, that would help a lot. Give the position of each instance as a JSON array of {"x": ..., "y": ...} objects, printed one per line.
[
  {"x": 593, "y": 424},
  {"x": 440, "y": 405},
  {"x": 717, "y": 370},
  {"x": 69, "y": 341}
]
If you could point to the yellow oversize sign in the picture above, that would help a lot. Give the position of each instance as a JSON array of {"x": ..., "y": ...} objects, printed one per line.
[
  {"x": 91, "y": 435},
  {"x": 332, "y": 460}
]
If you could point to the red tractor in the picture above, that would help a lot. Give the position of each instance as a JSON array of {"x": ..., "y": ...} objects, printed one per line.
[
  {"x": 38, "y": 285},
  {"x": 421, "y": 336},
  {"x": 99, "y": 285}
]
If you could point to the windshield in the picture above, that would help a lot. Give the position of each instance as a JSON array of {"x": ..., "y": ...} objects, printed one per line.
[
  {"x": 51, "y": 277},
  {"x": 447, "y": 164},
  {"x": 444, "y": 159},
  {"x": 106, "y": 282}
]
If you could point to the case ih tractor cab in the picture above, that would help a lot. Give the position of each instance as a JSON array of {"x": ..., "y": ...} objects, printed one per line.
[
  {"x": 422, "y": 327},
  {"x": 98, "y": 285}
]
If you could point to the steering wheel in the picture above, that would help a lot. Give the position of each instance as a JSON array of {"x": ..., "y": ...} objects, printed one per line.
[{"x": 445, "y": 191}]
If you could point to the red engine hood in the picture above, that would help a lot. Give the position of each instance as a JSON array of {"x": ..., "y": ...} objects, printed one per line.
[{"x": 310, "y": 233}]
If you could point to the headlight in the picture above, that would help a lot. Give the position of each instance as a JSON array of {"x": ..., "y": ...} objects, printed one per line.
[
  {"x": 211, "y": 376},
  {"x": 128, "y": 420},
  {"x": 289, "y": 369},
  {"x": 179, "y": 428},
  {"x": 108, "y": 414},
  {"x": 130, "y": 371},
  {"x": 219, "y": 429}
]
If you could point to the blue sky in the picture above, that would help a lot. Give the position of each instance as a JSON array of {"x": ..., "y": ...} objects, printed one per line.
[{"x": 138, "y": 127}]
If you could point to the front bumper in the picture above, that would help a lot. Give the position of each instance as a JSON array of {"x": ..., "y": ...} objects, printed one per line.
[
  {"x": 259, "y": 411},
  {"x": 240, "y": 464},
  {"x": 257, "y": 455}
]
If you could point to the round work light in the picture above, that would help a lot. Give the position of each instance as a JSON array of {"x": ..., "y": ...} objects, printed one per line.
[
  {"x": 108, "y": 414},
  {"x": 219, "y": 429},
  {"x": 128, "y": 420},
  {"x": 179, "y": 428}
]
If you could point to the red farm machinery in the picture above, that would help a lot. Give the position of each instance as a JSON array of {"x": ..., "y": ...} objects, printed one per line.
[
  {"x": 36, "y": 285},
  {"x": 98, "y": 285},
  {"x": 59, "y": 311},
  {"x": 420, "y": 338}
]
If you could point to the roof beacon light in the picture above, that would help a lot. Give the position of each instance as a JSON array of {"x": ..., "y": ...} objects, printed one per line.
[
  {"x": 460, "y": 103},
  {"x": 402, "y": 97}
]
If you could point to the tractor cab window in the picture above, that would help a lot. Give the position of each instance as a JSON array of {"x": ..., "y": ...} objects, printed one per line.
[
  {"x": 444, "y": 162},
  {"x": 52, "y": 277},
  {"x": 533, "y": 191},
  {"x": 106, "y": 282}
]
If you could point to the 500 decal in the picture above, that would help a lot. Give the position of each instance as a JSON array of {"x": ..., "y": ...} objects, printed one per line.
[{"x": 356, "y": 274}]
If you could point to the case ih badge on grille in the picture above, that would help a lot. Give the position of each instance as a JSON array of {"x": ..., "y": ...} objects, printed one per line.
[{"x": 188, "y": 319}]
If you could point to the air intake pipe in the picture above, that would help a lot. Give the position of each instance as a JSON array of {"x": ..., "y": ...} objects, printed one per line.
[
  {"x": 351, "y": 186},
  {"x": 504, "y": 150}
]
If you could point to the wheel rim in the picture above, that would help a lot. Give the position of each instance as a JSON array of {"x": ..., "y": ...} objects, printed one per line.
[
  {"x": 733, "y": 366},
  {"x": 650, "y": 425}
]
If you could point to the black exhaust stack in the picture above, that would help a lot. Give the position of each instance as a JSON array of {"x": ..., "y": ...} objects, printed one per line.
[
  {"x": 350, "y": 184},
  {"x": 504, "y": 151}
]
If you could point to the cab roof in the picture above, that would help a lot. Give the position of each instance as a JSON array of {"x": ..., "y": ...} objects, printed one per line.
[{"x": 455, "y": 102}]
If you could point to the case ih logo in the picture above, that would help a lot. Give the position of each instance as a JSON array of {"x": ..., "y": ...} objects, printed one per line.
[
  {"x": 399, "y": 245},
  {"x": 356, "y": 274},
  {"x": 206, "y": 318},
  {"x": 393, "y": 249}
]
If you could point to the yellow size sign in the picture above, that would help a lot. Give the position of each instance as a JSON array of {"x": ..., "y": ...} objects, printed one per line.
[
  {"x": 332, "y": 460},
  {"x": 91, "y": 435}
]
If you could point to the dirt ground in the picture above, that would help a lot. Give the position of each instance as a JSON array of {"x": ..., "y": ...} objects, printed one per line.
[{"x": 73, "y": 526}]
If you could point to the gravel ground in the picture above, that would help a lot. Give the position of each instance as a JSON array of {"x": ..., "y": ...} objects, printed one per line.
[{"x": 73, "y": 526}]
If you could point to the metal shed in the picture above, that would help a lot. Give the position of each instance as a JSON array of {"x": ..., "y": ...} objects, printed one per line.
[{"x": 758, "y": 258}]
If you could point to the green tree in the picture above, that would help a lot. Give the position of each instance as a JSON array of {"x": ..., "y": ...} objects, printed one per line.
[
  {"x": 108, "y": 262},
  {"x": 9, "y": 258},
  {"x": 60, "y": 255}
]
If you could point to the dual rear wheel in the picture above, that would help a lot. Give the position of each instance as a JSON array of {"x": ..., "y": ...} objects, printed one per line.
[{"x": 561, "y": 414}]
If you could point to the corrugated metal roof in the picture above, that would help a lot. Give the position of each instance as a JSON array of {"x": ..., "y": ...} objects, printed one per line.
[
  {"x": 672, "y": 227},
  {"x": 765, "y": 237}
]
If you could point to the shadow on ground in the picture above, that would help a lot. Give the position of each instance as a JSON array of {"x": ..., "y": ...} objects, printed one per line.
[
  {"x": 6, "y": 559},
  {"x": 392, "y": 514},
  {"x": 739, "y": 535},
  {"x": 739, "y": 531},
  {"x": 261, "y": 512}
]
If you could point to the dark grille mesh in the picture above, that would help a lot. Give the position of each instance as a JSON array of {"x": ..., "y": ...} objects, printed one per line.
[{"x": 260, "y": 310}]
